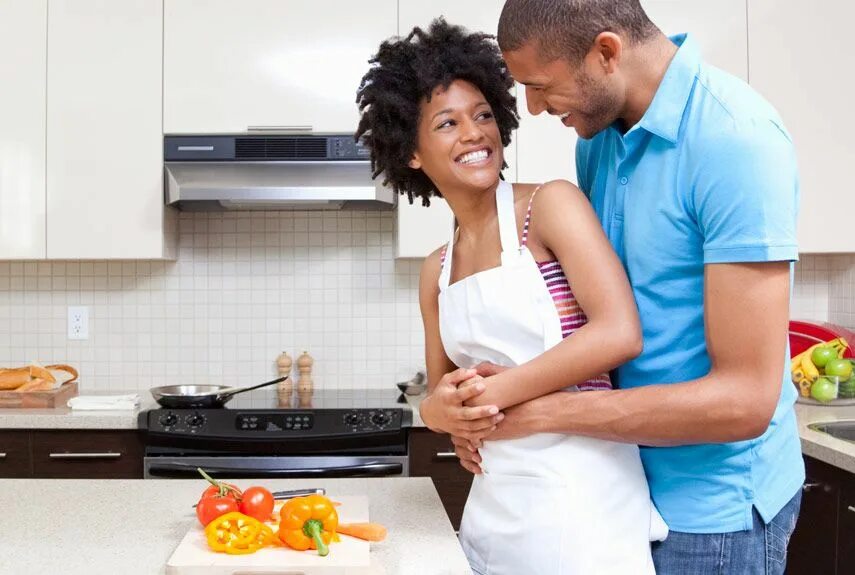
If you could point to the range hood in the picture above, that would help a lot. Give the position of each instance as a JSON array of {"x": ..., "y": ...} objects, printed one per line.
[{"x": 270, "y": 172}]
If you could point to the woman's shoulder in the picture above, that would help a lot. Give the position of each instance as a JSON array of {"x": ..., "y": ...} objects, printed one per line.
[{"x": 553, "y": 191}]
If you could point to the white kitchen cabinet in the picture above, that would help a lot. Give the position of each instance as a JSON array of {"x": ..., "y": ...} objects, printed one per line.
[
  {"x": 23, "y": 45},
  {"x": 546, "y": 149},
  {"x": 798, "y": 60},
  {"x": 421, "y": 230},
  {"x": 268, "y": 65},
  {"x": 104, "y": 131}
]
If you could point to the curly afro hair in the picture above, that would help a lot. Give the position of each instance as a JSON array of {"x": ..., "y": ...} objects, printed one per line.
[{"x": 406, "y": 71}]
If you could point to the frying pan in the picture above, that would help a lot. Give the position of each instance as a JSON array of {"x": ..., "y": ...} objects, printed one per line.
[{"x": 200, "y": 396}]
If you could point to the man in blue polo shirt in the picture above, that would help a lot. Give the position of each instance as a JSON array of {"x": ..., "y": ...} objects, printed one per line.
[{"x": 694, "y": 179}]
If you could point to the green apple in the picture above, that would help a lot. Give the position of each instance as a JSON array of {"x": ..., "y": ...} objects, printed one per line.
[
  {"x": 823, "y": 390},
  {"x": 822, "y": 355},
  {"x": 842, "y": 368}
]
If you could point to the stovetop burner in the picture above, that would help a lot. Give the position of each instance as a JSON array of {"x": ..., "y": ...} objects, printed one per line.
[{"x": 266, "y": 416}]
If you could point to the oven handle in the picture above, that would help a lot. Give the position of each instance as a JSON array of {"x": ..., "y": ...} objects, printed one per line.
[{"x": 177, "y": 470}]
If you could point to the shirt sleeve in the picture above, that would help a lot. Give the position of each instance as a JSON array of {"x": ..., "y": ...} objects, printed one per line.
[{"x": 746, "y": 196}]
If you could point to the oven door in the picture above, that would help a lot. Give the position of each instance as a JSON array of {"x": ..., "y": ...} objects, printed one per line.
[{"x": 268, "y": 467}]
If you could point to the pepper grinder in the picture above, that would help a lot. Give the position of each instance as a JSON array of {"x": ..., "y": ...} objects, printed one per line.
[
  {"x": 283, "y": 365},
  {"x": 304, "y": 366}
]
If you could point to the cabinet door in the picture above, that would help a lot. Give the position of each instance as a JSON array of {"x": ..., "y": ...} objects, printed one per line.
[
  {"x": 15, "y": 459},
  {"x": 267, "y": 64},
  {"x": 432, "y": 455},
  {"x": 547, "y": 149},
  {"x": 813, "y": 546},
  {"x": 793, "y": 61},
  {"x": 105, "y": 141},
  {"x": 846, "y": 525},
  {"x": 87, "y": 454},
  {"x": 421, "y": 230},
  {"x": 23, "y": 43}
]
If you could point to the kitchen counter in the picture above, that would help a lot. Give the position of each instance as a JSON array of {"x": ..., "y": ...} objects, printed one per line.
[
  {"x": 133, "y": 526},
  {"x": 820, "y": 445},
  {"x": 66, "y": 418}
]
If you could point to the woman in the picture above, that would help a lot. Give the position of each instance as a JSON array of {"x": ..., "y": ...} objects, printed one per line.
[{"x": 436, "y": 113}]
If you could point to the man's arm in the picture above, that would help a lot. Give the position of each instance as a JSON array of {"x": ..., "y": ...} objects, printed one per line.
[{"x": 746, "y": 315}]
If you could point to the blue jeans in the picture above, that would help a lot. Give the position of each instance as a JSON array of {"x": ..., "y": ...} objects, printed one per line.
[{"x": 761, "y": 550}]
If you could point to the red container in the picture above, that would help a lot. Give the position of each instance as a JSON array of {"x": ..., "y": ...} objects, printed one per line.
[{"x": 804, "y": 334}]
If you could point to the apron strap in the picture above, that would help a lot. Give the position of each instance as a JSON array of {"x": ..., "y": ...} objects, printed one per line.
[
  {"x": 445, "y": 263},
  {"x": 507, "y": 218}
]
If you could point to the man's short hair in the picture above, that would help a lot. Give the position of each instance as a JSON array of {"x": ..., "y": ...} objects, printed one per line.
[{"x": 567, "y": 28}]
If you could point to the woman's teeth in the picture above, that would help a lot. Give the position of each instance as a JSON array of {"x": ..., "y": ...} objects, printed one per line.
[{"x": 473, "y": 157}]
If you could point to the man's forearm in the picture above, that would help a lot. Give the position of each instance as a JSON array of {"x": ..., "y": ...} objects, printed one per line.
[{"x": 706, "y": 410}]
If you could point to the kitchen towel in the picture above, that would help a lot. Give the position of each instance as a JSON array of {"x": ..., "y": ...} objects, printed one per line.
[{"x": 104, "y": 402}]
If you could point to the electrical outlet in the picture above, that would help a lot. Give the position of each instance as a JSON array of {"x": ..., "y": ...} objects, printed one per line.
[{"x": 78, "y": 322}]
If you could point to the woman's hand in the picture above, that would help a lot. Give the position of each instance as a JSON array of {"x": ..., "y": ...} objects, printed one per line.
[{"x": 443, "y": 409}]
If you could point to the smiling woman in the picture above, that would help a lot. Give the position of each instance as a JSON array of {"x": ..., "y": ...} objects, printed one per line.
[{"x": 509, "y": 288}]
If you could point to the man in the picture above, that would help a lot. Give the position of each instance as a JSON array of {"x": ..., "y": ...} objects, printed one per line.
[{"x": 694, "y": 179}]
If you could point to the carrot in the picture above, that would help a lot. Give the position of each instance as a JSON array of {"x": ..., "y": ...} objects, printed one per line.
[{"x": 367, "y": 531}]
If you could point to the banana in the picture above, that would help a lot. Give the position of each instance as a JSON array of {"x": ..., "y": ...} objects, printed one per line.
[
  {"x": 811, "y": 372},
  {"x": 804, "y": 387},
  {"x": 797, "y": 374}
]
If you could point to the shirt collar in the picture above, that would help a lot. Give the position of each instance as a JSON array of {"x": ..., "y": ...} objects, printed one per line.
[{"x": 666, "y": 111}]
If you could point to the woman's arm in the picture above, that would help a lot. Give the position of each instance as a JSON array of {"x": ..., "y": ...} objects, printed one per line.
[
  {"x": 564, "y": 224},
  {"x": 443, "y": 408}
]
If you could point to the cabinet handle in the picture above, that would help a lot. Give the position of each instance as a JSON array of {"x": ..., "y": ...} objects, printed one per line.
[
  {"x": 446, "y": 455},
  {"x": 2, "y": 456},
  {"x": 105, "y": 455},
  {"x": 808, "y": 487},
  {"x": 279, "y": 128},
  {"x": 851, "y": 508}
]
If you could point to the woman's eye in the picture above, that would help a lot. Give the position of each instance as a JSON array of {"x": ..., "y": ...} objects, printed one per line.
[
  {"x": 485, "y": 115},
  {"x": 445, "y": 124}
]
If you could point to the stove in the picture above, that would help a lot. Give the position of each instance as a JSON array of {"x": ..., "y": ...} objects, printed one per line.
[{"x": 329, "y": 433}]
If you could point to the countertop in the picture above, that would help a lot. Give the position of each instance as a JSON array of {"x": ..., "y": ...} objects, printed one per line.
[
  {"x": 821, "y": 445},
  {"x": 132, "y": 526},
  {"x": 66, "y": 418}
]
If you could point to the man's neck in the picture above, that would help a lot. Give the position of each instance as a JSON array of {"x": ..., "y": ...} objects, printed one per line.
[{"x": 648, "y": 63}]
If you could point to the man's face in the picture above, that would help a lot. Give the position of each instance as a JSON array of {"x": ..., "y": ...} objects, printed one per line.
[{"x": 582, "y": 96}]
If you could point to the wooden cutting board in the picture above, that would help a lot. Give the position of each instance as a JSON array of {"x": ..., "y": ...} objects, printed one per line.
[
  {"x": 39, "y": 399},
  {"x": 348, "y": 557}
]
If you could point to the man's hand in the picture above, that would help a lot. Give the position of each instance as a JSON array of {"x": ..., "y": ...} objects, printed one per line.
[
  {"x": 468, "y": 455},
  {"x": 486, "y": 369},
  {"x": 443, "y": 409}
]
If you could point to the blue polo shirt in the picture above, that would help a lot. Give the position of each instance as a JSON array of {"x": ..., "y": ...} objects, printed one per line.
[{"x": 707, "y": 176}]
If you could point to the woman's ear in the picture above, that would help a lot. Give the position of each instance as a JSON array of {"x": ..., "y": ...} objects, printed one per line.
[{"x": 415, "y": 163}]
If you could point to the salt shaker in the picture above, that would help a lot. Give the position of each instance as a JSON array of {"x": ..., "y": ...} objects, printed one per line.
[
  {"x": 304, "y": 366},
  {"x": 283, "y": 365}
]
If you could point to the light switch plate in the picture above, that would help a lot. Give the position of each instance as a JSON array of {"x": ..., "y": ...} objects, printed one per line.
[{"x": 78, "y": 322}]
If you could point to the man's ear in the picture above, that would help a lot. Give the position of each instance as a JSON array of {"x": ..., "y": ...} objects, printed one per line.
[{"x": 607, "y": 51}]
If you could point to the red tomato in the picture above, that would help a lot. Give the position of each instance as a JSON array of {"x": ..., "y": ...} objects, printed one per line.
[
  {"x": 209, "y": 508},
  {"x": 214, "y": 491},
  {"x": 257, "y": 502}
]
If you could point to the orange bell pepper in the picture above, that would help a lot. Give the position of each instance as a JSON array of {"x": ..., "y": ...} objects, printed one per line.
[{"x": 308, "y": 523}]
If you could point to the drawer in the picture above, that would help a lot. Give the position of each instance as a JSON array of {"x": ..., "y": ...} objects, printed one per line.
[
  {"x": 432, "y": 454},
  {"x": 88, "y": 454},
  {"x": 15, "y": 460}
]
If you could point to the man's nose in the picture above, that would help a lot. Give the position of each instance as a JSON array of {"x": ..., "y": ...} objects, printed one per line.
[{"x": 534, "y": 101}]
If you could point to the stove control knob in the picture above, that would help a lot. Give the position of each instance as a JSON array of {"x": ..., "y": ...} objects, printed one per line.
[
  {"x": 168, "y": 419},
  {"x": 195, "y": 420},
  {"x": 380, "y": 419},
  {"x": 351, "y": 419}
]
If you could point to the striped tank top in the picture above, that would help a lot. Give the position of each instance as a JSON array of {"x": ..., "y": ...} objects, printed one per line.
[{"x": 570, "y": 314}]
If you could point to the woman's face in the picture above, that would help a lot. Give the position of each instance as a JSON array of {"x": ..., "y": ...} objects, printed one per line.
[{"x": 458, "y": 142}]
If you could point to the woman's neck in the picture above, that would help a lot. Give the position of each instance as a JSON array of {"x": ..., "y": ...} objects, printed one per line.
[{"x": 475, "y": 211}]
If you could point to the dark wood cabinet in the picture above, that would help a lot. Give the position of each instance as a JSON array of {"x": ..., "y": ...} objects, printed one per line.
[
  {"x": 432, "y": 455},
  {"x": 15, "y": 460},
  {"x": 72, "y": 454},
  {"x": 824, "y": 539}
]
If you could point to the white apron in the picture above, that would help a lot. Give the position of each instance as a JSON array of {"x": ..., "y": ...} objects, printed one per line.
[{"x": 548, "y": 504}]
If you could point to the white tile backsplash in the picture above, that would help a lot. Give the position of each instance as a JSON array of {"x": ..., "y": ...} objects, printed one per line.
[
  {"x": 246, "y": 287},
  {"x": 250, "y": 285}
]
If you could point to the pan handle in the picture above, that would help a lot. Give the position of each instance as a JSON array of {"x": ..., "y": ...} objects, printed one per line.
[{"x": 226, "y": 395}]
